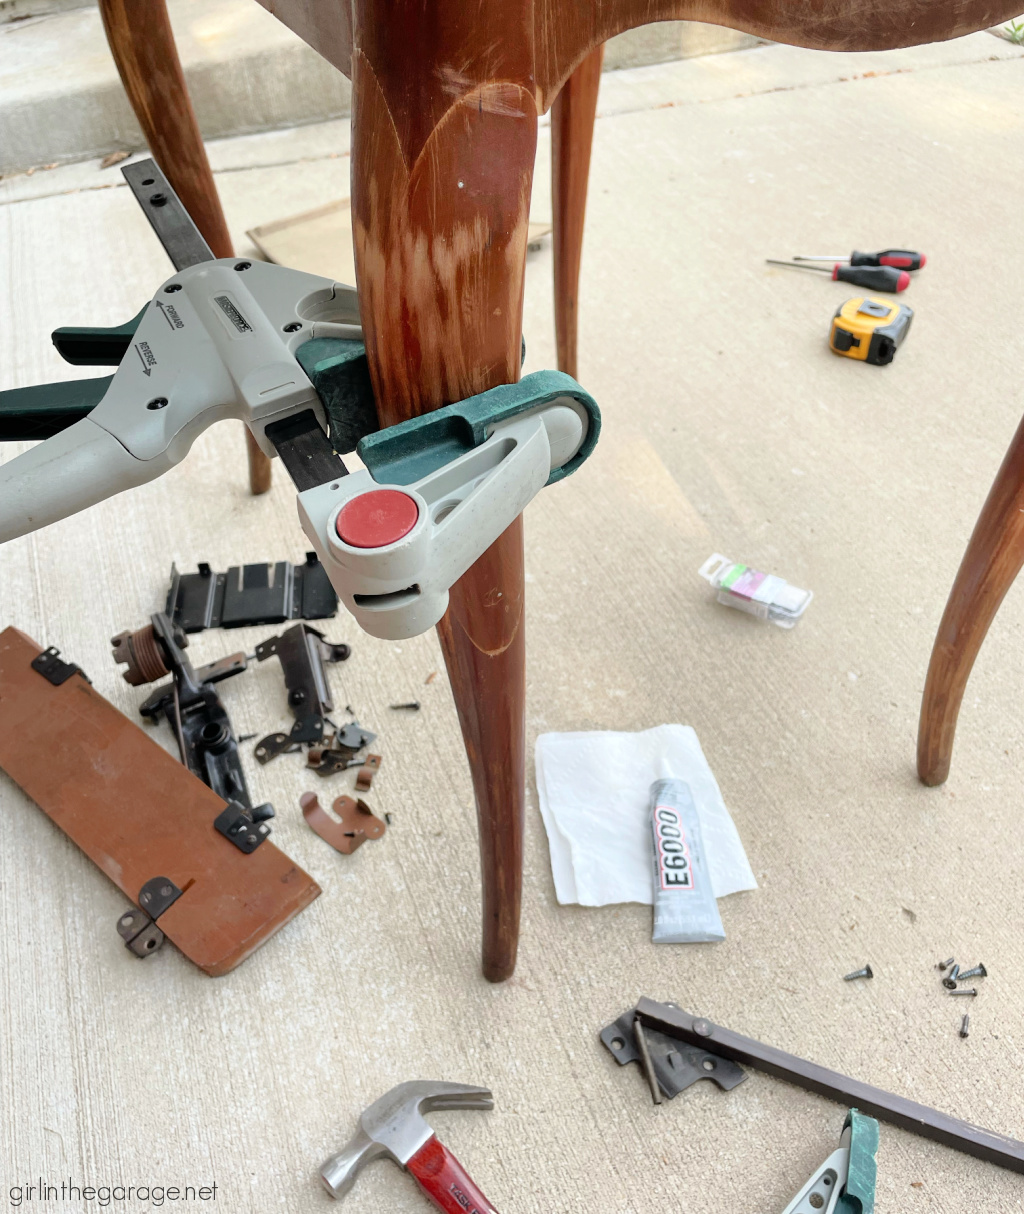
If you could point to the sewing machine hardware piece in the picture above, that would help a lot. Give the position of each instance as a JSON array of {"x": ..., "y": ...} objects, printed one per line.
[
  {"x": 193, "y": 709},
  {"x": 684, "y": 1030},
  {"x": 137, "y": 926},
  {"x": 675, "y": 1066},
  {"x": 357, "y": 822},
  {"x": 364, "y": 776},
  {"x": 140, "y": 934},
  {"x": 245, "y": 828},
  {"x": 336, "y": 752},
  {"x": 54, "y": 669},
  {"x": 136, "y": 811},
  {"x": 250, "y": 594},
  {"x": 302, "y": 651},
  {"x": 283, "y": 351}
]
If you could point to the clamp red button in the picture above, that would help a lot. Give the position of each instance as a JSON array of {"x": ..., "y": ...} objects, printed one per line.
[{"x": 377, "y": 518}]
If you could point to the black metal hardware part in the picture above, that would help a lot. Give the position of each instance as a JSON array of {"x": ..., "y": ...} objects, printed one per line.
[
  {"x": 303, "y": 652},
  {"x": 198, "y": 719},
  {"x": 54, "y": 669},
  {"x": 250, "y": 594},
  {"x": 676, "y": 1066},
  {"x": 137, "y": 926}
]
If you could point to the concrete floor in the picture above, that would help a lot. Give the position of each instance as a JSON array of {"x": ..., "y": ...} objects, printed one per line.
[{"x": 728, "y": 426}]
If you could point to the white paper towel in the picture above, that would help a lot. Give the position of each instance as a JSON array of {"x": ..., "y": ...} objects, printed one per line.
[{"x": 594, "y": 792}]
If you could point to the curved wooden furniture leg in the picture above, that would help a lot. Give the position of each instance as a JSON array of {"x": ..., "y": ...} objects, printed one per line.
[
  {"x": 572, "y": 134},
  {"x": 442, "y": 166},
  {"x": 993, "y": 559},
  {"x": 142, "y": 43}
]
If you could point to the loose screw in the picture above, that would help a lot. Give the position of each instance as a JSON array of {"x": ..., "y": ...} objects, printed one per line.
[
  {"x": 970, "y": 992},
  {"x": 413, "y": 704},
  {"x": 979, "y": 971},
  {"x": 944, "y": 965},
  {"x": 965, "y": 1025},
  {"x": 866, "y": 972},
  {"x": 949, "y": 982}
]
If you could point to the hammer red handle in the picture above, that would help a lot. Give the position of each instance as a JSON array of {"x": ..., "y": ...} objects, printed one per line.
[{"x": 446, "y": 1182}]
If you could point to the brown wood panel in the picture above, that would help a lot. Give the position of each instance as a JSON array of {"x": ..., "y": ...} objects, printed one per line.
[
  {"x": 441, "y": 179},
  {"x": 572, "y": 134},
  {"x": 138, "y": 813},
  {"x": 565, "y": 33},
  {"x": 994, "y": 557},
  {"x": 142, "y": 43}
]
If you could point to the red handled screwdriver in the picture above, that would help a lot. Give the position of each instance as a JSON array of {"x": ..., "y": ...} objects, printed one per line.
[
  {"x": 900, "y": 259},
  {"x": 875, "y": 278}
]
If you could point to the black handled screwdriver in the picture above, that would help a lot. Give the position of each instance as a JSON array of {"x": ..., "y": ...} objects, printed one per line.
[
  {"x": 875, "y": 278},
  {"x": 901, "y": 259}
]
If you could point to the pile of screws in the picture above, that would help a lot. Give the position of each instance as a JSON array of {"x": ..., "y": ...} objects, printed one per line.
[{"x": 953, "y": 975}]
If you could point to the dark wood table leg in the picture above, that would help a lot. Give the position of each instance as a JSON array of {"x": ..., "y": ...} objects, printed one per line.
[
  {"x": 142, "y": 42},
  {"x": 442, "y": 167},
  {"x": 572, "y": 134},
  {"x": 993, "y": 559}
]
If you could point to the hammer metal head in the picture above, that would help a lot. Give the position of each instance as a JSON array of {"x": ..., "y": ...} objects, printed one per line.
[{"x": 395, "y": 1126}]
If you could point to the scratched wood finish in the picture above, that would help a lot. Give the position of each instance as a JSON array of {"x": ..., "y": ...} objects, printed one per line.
[
  {"x": 994, "y": 557},
  {"x": 142, "y": 43},
  {"x": 563, "y": 36},
  {"x": 444, "y": 130},
  {"x": 442, "y": 167},
  {"x": 572, "y": 134}
]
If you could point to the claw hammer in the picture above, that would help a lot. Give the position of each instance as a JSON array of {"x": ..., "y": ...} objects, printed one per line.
[{"x": 395, "y": 1126}]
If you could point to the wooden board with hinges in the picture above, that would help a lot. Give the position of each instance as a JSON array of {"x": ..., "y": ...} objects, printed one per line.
[{"x": 138, "y": 813}]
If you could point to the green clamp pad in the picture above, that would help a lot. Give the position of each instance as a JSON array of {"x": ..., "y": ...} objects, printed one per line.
[
  {"x": 338, "y": 371},
  {"x": 403, "y": 454},
  {"x": 858, "y": 1196}
]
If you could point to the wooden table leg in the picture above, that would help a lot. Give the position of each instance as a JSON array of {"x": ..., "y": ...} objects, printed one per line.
[
  {"x": 442, "y": 166},
  {"x": 993, "y": 559},
  {"x": 142, "y": 43},
  {"x": 572, "y": 134}
]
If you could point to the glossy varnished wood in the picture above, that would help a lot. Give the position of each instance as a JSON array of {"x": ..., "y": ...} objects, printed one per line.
[
  {"x": 142, "y": 43},
  {"x": 994, "y": 557},
  {"x": 442, "y": 166},
  {"x": 572, "y": 134}
]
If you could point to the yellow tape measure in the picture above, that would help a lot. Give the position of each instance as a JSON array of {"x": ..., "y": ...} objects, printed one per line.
[{"x": 870, "y": 329}]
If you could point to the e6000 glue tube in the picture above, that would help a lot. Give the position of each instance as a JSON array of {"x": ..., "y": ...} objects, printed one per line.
[{"x": 685, "y": 910}]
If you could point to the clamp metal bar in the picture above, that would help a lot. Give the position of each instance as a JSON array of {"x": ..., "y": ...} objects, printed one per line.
[
  {"x": 907, "y": 1114},
  {"x": 182, "y": 241},
  {"x": 305, "y": 451}
]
